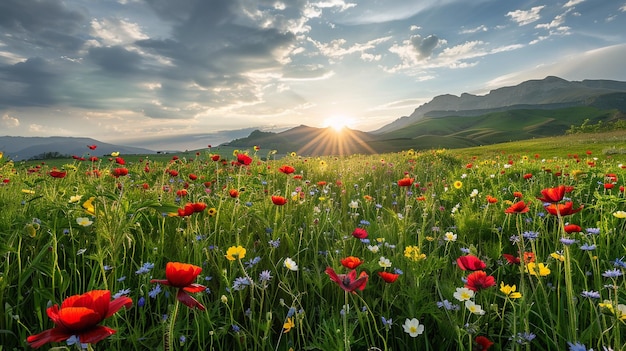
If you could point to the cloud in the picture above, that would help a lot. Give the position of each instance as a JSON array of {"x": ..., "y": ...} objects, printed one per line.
[
  {"x": 424, "y": 46},
  {"x": 571, "y": 3},
  {"x": 338, "y": 48},
  {"x": 525, "y": 17},
  {"x": 557, "y": 22},
  {"x": 481, "y": 28},
  {"x": 9, "y": 121}
]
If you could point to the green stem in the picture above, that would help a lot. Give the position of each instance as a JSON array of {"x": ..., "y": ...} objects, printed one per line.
[
  {"x": 346, "y": 341},
  {"x": 168, "y": 343}
]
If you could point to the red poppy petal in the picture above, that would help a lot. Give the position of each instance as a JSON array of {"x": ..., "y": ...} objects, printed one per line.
[
  {"x": 194, "y": 288},
  {"x": 95, "y": 334},
  {"x": 79, "y": 318},
  {"x": 333, "y": 276},
  {"x": 50, "y": 335},
  {"x": 115, "y": 305},
  {"x": 181, "y": 274},
  {"x": 189, "y": 301},
  {"x": 160, "y": 281}
]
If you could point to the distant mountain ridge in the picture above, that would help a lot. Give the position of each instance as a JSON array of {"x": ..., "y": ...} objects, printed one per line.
[
  {"x": 548, "y": 93},
  {"x": 535, "y": 108},
  {"x": 23, "y": 148}
]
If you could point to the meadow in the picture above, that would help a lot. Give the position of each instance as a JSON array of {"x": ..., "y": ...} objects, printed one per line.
[{"x": 497, "y": 249}]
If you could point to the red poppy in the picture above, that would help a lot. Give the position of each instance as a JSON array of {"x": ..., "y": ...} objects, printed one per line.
[
  {"x": 406, "y": 181},
  {"x": 57, "y": 174},
  {"x": 279, "y": 200},
  {"x": 321, "y": 183},
  {"x": 233, "y": 193},
  {"x": 479, "y": 280},
  {"x": 199, "y": 206},
  {"x": 186, "y": 211},
  {"x": 482, "y": 343},
  {"x": 173, "y": 172},
  {"x": 92, "y": 147},
  {"x": 518, "y": 207},
  {"x": 518, "y": 194},
  {"x": 562, "y": 209},
  {"x": 609, "y": 186},
  {"x": 572, "y": 228},
  {"x": 491, "y": 199},
  {"x": 511, "y": 259},
  {"x": 470, "y": 263},
  {"x": 244, "y": 159},
  {"x": 193, "y": 176},
  {"x": 182, "y": 192},
  {"x": 359, "y": 233},
  {"x": 181, "y": 276},
  {"x": 612, "y": 177},
  {"x": 348, "y": 282},
  {"x": 286, "y": 169},
  {"x": 528, "y": 175},
  {"x": 215, "y": 157},
  {"x": 553, "y": 194},
  {"x": 388, "y": 277},
  {"x": 119, "y": 172},
  {"x": 120, "y": 161},
  {"x": 529, "y": 257},
  {"x": 351, "y": 262},
  {"x": 79, "y": 316}
]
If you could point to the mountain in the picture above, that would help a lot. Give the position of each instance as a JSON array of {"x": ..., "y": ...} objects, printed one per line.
[
  {"x": 532, "y": 109},
  {"x": 310, "y": 141},
  {"x": 546, "y": 94},
  {"x": 24, "y": 148}
]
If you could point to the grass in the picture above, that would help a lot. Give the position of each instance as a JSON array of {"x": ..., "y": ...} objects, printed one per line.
[{"x": 453, "y": 204}]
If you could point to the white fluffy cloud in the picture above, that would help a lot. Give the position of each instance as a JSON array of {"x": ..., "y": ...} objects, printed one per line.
[{"x": 526, "y": 17}]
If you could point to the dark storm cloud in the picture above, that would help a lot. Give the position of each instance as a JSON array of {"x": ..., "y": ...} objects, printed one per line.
[
  {"x": 424, "y": 46},
  {"x": 29, "y": 83},
  {"x": 115, "y": 59},
  {"x": 42, "y": 23}
]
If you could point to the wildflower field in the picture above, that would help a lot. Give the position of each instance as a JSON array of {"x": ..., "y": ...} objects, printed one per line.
[{"x": 248, "y": 251}]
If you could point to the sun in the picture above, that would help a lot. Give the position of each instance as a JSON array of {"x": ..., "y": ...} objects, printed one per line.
[{"x": 337, "y": 123}]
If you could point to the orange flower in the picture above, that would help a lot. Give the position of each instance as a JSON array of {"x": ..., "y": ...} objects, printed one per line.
[
  {"x": 181, "y": 276},
  {"x": 233, "y": 193},
  {"x": 554, "y": 194},
  {"x": 351, "y": 262},
  {"x": 79, "y": 316},
  {"x": 491, "y": 199}
]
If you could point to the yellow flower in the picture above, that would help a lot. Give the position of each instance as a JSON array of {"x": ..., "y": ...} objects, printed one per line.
[
  {"x": 537, "y": 269},
  {"x": 212, "y": 212},
  {"x": 293, "y": 154},
  {"x": 557, "y": 256},
  {"x": 235, "y": 252},
  {"x": 510, "y": 291},
  {"x": 235, "y": 152},
  {"x": 458, "y": 184},
  {"x": 88, "y": 206},
  {"x": 115, "y": 153},
  {"x": 75, "y": 198},
  {"x": 1, "y": 154},
  {"x": 288, "y": 325},
  {"x": 84, "y": 221},
  {"x": 322, "y": 163},
  {"x": 620, "y": 214},
  {"x": 414, "y": 253},
  {"x": 28, "y": 191},
  {"x": 577, "y": 174}
]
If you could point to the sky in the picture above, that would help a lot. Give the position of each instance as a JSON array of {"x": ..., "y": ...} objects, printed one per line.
[{"x": 182, "y": 74}]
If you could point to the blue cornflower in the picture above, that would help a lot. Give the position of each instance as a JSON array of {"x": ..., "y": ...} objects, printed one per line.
[
  {"x": 590, "y": 294},
  {"x": 274, "y": 243},
  {"x": 241, "y": 283},
  {"x": 265, "y": 276},
  {"x": 107, "y": 268},
  {"x": 386, "y": 322},
  {"x": 398, "y": 271},
  {"x": 235, "y": 328},
  {"x": 291, "y": 312},
  {"x": 619, "y": 262},
  {"x": 448, "y": 305},
  {"x": 465, "y": 250},
  {"x": 514, "y": 239},
  {"x": 523, "y": 338},
  {"x": 141, "y": 302},
  {"x": 587, "y": 247},
  {"x": 253, "y": 262},
  {"x": 155, "y": 291},
  {"x": 364, "y": 222},
  {"x": 567, "y": 241},
  {"x": 365, "y": 240},
  {"x": 612, "y": 273},
  {"x": 145, "y": 268},
  {"x": 121, "y": 279},
  {"x": 530, "y": 235},
  {"x": 182, "y": 339},
  {"x": 576, "y": 347},
  {"x": 73, "y": 340},
  {"x": 593, "y": 231},
  {"x": 121, "y": 293}
]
